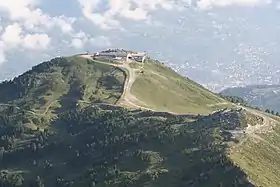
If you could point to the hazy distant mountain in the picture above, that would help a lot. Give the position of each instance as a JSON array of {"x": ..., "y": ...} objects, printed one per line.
[{"x": 263, "y": 96}]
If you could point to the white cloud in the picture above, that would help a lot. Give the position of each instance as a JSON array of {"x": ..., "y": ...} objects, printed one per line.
[
  {"x": 18, "y": 9},
  {"x": 2, "y": 56},
  {"x": 80, "y": 34},
  {"x": 137, "y": 14},
  {"x": 103, "y": 21},
  {"x": 129, "y": 9},
  {"x": 81, "y": 39},
  {"x": 124, "y": 9},
  {"x": 100, "y": 41},
  {"x": 27, "y": 26},
  {"x": 64, "y": 23},
  {"x": 33, "y": 18},
  {"x": 77, "y": 43},
  {"x": 11, "y": 36},
  {"x": 278, "y": 6},
  {"x": 36, "y": 41},
  {"x": 2, "y": 53},
  {"x": 205, "y": 4}
]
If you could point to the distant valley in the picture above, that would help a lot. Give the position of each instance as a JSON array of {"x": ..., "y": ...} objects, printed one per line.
[{"x": 262, "y": 96}]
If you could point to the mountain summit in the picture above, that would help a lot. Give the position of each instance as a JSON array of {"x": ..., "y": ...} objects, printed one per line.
[{"x": 120, "y": 118}]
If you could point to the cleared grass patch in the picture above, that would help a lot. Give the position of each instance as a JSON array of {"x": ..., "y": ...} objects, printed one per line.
[{"x": 165, "y": 90}]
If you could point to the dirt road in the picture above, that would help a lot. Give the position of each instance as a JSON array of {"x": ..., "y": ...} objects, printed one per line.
[
  {"x": 126, "y": 99},
  {"x": 253, "y": 131},
  {"x": 218, "y": 104}
]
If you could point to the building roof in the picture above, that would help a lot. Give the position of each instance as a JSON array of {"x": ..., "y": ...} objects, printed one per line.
[{"x": 120, "y": 54}]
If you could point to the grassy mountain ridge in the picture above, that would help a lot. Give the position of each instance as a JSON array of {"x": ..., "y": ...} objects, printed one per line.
[
  {"x": 64, "y": 123},
  {"x": 60, "y": 84},
  {"x": 50, "y": 76},
  {"x": 163, "y": 89}
]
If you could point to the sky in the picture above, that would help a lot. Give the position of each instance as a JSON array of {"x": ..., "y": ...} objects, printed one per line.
[{"x": 218, "y": 43}]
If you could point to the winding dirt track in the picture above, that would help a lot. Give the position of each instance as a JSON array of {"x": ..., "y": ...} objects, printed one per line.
[
  {"x": 266, "y": 126},
  {"x": 252, "y": 132},
  {"x": 218, "y": 104},
  {"x": 127, "y": 99}
]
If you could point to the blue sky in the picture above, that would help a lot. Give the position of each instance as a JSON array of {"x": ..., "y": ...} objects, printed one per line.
[{"x": 215, "y": 42}]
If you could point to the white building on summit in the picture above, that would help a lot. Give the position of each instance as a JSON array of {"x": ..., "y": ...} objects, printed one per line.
[
  {"x": 122, "y": 55},
  {"x": 139, "y": 57}
]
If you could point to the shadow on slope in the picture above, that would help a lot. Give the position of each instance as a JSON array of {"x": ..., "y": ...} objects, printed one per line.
[
  {"x": 94, "y": 147},
  {"x": 65, "y": 79},
  {"x": 91, "y": 82}
]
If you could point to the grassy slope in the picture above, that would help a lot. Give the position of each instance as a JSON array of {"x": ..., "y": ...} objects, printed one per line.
[
  {"x": 62, "y": 83},
  {"x": 198, "y": 144},
  {"x": 166, "y": 90},
  {"x": 260, "y": 158},
  {"x": 163, "y": 89}
]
